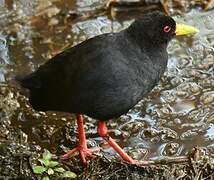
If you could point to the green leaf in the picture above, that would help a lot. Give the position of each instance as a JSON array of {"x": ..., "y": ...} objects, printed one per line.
[
  {"x": 41, "y": 161},
  {"x": 50, "y": 171},
  {"x": 46, "y": 155},
  {"x": 69, "y": 174},
  {"x": 46, "y": 178},
  {"x": 53, "y": 163},
  {"x": 45, "y": 162},
  {"x": 39, "y": 169},
  {"x": 60, "y": 169}
]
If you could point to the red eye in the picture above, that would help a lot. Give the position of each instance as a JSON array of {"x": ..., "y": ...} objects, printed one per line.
[{"x": 166, "y": 29}]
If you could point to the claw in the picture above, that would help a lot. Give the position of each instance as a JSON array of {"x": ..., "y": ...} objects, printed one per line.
[{"x": 83, "y": 152}]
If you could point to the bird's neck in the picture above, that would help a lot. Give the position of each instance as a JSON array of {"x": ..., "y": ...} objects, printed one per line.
[
  {"x": 155, "y": 51},
  {"x": 143, "y": 40}
]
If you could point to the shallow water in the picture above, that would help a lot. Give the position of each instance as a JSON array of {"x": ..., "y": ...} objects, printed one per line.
[{"x": 176, "y": 116}]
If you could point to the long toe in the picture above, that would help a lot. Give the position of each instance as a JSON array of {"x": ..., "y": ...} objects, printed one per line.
[
  {"x": 83, "y": 152},
  {"x": 70, "y": 153}
]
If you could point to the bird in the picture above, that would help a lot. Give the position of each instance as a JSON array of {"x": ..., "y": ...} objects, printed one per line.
[{"x": 105, "y": 76}]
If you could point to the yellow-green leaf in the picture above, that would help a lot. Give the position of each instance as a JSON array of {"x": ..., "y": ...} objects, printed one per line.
[
  {"x": 53, "y": 163},
  {"x": 45, "y": 162},
  {"x": 41, "y": 161},
  {"x": 69, "y": 174},
  {"x": 60, "y": 169},
  {"x": 46, "y": 178},
  {"x": 46, "y": 155},
  {"x": 50, "y": 171},
  {"x": 39, "y": 169}
]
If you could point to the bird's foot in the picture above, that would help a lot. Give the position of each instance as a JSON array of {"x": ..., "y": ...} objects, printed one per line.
[{"x": 83, "y": 152}]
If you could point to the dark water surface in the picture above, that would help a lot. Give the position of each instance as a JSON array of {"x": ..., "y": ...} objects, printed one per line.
[{"x": 175, "y": 117}]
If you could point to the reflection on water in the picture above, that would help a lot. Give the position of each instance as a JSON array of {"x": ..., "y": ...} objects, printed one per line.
[
  {"x": 4, "y": 58},
  {"x": 210, "y": 132},
  {"x": 185, "y": 102},
  {"x": 176, "y": 116}
]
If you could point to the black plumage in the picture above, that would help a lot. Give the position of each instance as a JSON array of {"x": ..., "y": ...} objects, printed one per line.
[{"x": 103, "y": 77}]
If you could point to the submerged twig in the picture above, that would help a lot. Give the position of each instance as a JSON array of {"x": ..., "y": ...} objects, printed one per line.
[
  {"x": 210, "y": 5},
  {"x": 164, "y": 160}
]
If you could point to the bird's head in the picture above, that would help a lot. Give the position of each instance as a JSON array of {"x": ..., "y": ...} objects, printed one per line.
[{"x": 159, "y": 28}]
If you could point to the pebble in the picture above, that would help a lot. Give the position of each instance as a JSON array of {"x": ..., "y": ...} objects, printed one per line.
[{"x": 207, "y": 97}]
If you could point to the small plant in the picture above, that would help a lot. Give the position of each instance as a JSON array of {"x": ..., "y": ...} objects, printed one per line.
[{"x": 50, "y": 168}]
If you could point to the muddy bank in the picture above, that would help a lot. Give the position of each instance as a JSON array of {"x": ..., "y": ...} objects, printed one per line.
[{"x": 176, "y": 116}]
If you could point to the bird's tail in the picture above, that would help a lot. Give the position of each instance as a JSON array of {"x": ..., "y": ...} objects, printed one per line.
[
  {"x": 36, "y": 94},
  {"x": 30, "y": 81}
]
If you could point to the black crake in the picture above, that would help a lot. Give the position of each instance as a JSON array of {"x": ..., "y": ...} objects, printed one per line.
[{"x": 107, "y": 75}]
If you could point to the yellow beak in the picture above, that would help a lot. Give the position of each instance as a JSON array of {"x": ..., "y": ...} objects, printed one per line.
[{"x": 182, "y": 29}]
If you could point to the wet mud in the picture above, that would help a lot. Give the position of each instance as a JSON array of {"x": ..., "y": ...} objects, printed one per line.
[{"x": 176, "y": 117}]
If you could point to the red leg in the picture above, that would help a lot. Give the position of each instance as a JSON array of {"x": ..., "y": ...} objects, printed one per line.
[
  {"x": 84, "y": 151},
  {"x": 103, "y": 132}
]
